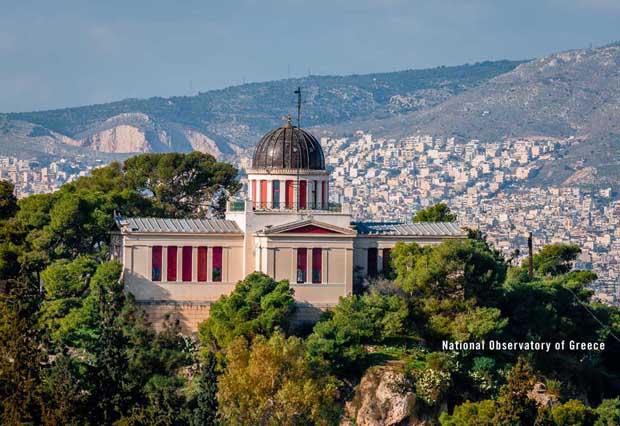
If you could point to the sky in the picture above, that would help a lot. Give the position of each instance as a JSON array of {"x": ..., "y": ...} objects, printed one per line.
[{"x": 65, "y": 53}]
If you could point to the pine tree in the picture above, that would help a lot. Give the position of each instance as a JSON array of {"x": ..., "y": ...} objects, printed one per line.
[
  {"x": 514, "y": 405},
  {"x": 205, "y": 413}
]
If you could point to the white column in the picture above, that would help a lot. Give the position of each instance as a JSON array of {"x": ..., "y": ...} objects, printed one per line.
[
  {"x": 194, "y": 264},
  {"x": 309, "y": 194},
  {"x": 270, "y": 193},
  {"x": 295, "y": 194},
  {"x": 282, "y": 193},
  {"x": 309, "y": 265},
  {"x": 324, "y": 263},
  {"x": 258, "y": 194},
  {"x": 164, "y": 263}
]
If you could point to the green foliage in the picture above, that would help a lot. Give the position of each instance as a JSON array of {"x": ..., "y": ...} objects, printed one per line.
[
  {"x": 480, "y": 413},
  {"x": 274, "y": 382},
  {"x": 258, "y": 306},
  {"x": 206, "y": 407},
  {"x": 64, "y": 278},
  {"x": 608, "y": 413},
  {"x": 439, "y": 212},
  {"x": 182, "y": 184},
  {"x": 572, "y": 413},
  {"x": 340, "y": 335},
  {"x": 514, "y": 407},
  {"x": 20, "y": 356},
  {"x": 8, "y": 200},
  {"x": 555, "y": 259}
]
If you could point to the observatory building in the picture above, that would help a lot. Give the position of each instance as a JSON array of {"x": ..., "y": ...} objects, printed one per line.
[{"x": 285, "y": 228}]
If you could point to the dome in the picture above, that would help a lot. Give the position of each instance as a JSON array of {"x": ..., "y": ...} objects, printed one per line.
[{"x": 288, "y": 147}]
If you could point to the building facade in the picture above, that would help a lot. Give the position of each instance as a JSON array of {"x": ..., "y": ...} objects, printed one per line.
[{"x": 286, "y": 228}]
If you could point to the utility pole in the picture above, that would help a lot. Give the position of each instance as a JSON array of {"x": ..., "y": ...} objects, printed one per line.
[{"x": 530, "y": 257}]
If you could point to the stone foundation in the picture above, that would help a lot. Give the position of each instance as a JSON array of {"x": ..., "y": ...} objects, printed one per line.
[{"x": 190, "y": 315}]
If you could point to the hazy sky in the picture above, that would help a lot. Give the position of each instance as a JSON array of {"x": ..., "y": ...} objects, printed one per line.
[{"x": 56, "y": 53}]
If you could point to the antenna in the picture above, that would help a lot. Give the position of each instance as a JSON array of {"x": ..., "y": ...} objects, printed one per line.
[
  {"x": 298, "y": 93},
  {"x": 530, "y": 257}
]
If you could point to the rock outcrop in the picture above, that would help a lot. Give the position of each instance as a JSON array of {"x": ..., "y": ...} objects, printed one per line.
[{"x": 381, "y": 400}]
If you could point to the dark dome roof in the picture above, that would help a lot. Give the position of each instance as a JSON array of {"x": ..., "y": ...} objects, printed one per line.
[{"x": 288, "y": 147}]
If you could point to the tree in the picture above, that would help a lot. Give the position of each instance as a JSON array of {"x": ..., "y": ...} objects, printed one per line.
[
  {"x": 514, "y": 407},
  {"x": 258, "y": 306},
  {"x": 8, "y": 200},
  {"x": 439, "y": 212},
  {"x": 608, "y": 413},
  {"x": 66, "y": 278},
  {"x": 471, "y": 414},
  {"x": 572, "y": 413},
  {"x": 555, "y": 259},
  {"x": 339, "y": 337},
  {"x": 183, "y": 184},
  {"x": 21, "y": 356},
  {"x": 205, "y": 412},
  {"x": 273, "y": 382}
]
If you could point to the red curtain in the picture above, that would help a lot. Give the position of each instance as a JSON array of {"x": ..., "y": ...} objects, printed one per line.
[
  {"x": 202, "y": 264},
  {"x": 302, "y": 264},
  {"x": 317, "y": 265},
  {"x": 172, "y": 263},
  {"x": 187, "y": 264},
  {"x": 263, "y": 193},
  {"x": 290, "y": 194},
  {"x": 156, "y": 261},
  {"x": 217, "y": 264},
  {"x": 303, "y": 189}
]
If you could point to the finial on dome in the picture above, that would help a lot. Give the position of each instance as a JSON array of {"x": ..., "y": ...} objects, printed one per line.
[{"x": 289, "y": 120}]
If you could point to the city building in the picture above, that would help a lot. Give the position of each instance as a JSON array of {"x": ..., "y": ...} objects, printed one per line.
[{"x": 285, "y": 228}]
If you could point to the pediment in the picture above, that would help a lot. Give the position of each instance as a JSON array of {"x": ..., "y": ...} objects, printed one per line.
[{"x": 312, "y": 227}]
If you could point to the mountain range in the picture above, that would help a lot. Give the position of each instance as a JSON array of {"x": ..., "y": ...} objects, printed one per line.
[{"x": 571, "y": 95}]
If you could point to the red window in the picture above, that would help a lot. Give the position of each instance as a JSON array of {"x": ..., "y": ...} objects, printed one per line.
[
  {"x": 303, "y": 189},
  {"x": 171, "y": 258},
  {"x": 290, "y": 194},
  {"x": 372, "y": 262},
  {"x": 187, "y": 264},
  {"x": 254, "y": 193},
  {"x": 387, "y": 267},
  {"x": 217, "y": 264},
  {"x": 317, "y": 265},
  {"x": 202, "y": 264},
  {"x": 302, "y": 264},
  {"x": 156, "y": 262},
  {"x": 263, "y": 193}
]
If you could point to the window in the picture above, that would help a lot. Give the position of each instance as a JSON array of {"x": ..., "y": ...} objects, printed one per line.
[
  {"x": 263, "y": 194},
  {"x": 372, "y": 262},
  {"x": 387, "y": 267},
  {"x": 202, "y": 264},
  {"x": 324, "y": 196},
  {"x": 317, "y": 265},
  {"x": 186, "y": 273},
  {"x": 254, "y": 193},
  {"x": 290, "y": 194},
  {"x": 217, "y": 265},
  {"x": 302, "y": 264},
  {"x": 171, "y": 258},
  {"x": 276, "y": 194},
  {"x": 156, "y": 262},
  {"x": 303, "y": 189}
]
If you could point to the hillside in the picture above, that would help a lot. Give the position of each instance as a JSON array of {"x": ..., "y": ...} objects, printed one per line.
[
  {"x": 220, "y": 120},
  {"x": 568, "y": 94}
]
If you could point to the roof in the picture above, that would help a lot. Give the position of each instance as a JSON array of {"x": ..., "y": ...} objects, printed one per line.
[
  {"x": 288, "y": 147},
  {"x": 421, "y": 229},
  {"x": 200, "y": 226}
]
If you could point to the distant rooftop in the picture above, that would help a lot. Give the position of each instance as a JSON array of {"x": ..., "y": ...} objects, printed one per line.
[
  {"x": 151, "y": 224},
  {"x": 423, "y": 229}
]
